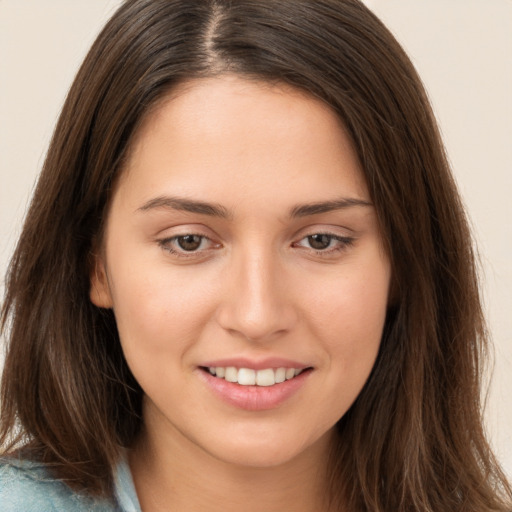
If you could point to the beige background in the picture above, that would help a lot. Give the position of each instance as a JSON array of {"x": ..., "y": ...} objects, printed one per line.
[{"x": 462, "y": 49}]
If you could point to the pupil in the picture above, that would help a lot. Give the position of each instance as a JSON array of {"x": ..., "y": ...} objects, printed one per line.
[
  {"x": 189, "y": 242},
  {"x": 319, "y": 241}
]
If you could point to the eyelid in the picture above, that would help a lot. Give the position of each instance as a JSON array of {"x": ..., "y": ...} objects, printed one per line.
[
  {"x": 345, "y": 241},
  {"x": 166, "y": 244}
]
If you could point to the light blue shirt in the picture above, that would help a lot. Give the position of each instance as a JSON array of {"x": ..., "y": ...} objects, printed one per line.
[{"x": 28, "y": 487}]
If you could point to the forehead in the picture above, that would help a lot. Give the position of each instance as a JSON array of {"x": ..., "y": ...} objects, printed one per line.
[
  {"x": 228, "y": 93},
  {"x": 230, "y": 130}
]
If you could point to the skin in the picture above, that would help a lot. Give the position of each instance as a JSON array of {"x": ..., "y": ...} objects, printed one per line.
[{"x": 254, "y": 287}]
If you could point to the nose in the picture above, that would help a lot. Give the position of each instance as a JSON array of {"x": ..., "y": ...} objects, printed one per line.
[{"x": 257, "y": 303}]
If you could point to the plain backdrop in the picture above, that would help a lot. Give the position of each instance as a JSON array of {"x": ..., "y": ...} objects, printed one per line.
[{"x": 461, "y": 48}]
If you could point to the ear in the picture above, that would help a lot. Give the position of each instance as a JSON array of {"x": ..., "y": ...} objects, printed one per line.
[{"x": 99, "y": 291}]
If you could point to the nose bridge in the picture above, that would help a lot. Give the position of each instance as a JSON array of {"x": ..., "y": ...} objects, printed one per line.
[{"x": 256, "y": 305}]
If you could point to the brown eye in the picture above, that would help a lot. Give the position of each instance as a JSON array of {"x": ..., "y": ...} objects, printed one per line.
[
  {"x": 189, "y": 242},
  {"x": 190, "y": 245},
  {"x": 325, "y": 244},
  {"x": 320, "y": 241}
]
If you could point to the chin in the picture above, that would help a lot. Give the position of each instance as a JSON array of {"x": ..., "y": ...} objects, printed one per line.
[{"x": 268, "y": 451}]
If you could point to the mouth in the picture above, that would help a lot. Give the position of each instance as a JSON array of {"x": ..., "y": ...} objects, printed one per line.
[{"x": 266, "y": 377}]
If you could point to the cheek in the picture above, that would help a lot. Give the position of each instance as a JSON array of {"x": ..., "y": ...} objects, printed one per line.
[
  {"x": 348, "y": 319},
  {"x": 158, "y": 311},
  {"x": 353, "y": 306}
]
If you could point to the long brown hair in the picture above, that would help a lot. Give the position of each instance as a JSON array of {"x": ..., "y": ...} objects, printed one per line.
[{"x": 413, "y": 440}]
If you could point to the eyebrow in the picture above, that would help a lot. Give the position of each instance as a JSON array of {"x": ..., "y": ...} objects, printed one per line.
[
  {"x": 304, "y": 210},
  {"x": 217, "y": 210},
  {"x": 186, "y": 205}
]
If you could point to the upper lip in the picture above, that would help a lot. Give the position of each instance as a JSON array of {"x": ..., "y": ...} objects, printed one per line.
[{"x": 256, "y": 364}]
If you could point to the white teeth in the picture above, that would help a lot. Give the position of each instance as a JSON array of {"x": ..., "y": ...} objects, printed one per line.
[
  {"x": 265, "y": 377},
  {"x": 290, "y": 373},
  {"x": 280, "y": 375},
  {"x": 231, "y": 374},
  {"x": 250, "y": 377},
  {"x": 246, "y": 377}
]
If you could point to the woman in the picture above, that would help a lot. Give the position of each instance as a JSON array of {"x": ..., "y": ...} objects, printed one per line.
[{"x": 245, "y": 273}]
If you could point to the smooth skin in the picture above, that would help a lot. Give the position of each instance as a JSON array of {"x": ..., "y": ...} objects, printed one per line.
[{"x": 241, "y": 227}]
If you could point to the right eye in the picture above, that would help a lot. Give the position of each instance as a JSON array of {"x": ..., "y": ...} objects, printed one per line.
[{"x": 187, "y": 245}]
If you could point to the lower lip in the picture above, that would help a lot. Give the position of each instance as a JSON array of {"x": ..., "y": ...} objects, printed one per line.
[{"x": 254, "y": 398}]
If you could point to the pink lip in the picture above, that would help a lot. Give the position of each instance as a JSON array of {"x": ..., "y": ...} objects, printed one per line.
[
  {"x": 262, "y": 364},
  {"x": 254, "y": 398}
]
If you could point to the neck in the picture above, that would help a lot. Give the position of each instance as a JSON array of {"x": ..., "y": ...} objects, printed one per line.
[{"x": 177, "y": 475}]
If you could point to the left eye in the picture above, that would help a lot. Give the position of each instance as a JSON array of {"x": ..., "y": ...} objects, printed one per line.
[{"x": 324, "y": 242}]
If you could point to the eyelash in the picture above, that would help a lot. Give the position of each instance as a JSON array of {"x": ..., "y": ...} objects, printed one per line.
[
  {"x": 167, "y": 245},
  {"x": 343, "y": 244}
]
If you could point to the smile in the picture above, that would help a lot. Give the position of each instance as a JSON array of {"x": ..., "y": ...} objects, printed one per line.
[
  {"x": 249, "y": 377},
  {"x": 255, "y": 389}
]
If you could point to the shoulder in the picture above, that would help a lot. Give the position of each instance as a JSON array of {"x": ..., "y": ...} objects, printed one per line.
[{"x": 26, "y": 486}]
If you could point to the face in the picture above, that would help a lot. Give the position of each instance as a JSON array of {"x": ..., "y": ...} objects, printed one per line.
[{"x": 243, "y": 262}]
